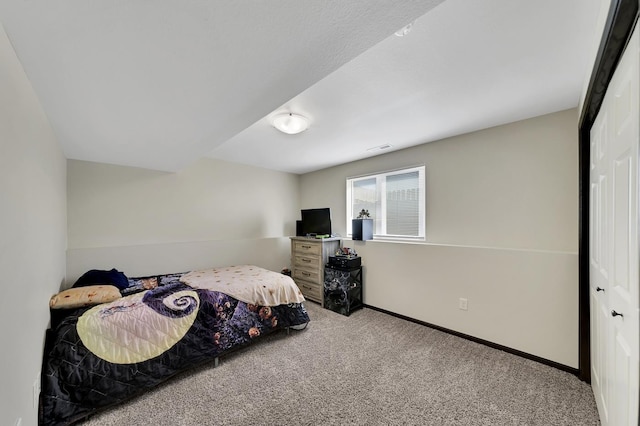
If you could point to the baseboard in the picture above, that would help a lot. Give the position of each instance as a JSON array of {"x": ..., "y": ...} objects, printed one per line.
[{"x": 526, "y": 355}]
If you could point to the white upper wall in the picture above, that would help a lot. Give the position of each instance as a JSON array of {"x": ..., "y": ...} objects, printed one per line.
[
  {"x": 33, "y": 234},
  {"x": 209, "y": 200},
  {"x": 512, "y": 186},
  {"x": 212, "y": 213}
]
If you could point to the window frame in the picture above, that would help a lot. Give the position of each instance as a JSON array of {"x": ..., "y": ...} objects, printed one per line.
[{"x": 380, "y": 234}]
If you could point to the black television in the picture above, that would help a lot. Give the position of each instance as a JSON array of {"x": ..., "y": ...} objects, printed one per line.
[{"x": 316, "y": 221}]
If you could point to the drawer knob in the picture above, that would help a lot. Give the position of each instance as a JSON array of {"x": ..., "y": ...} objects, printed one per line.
[
  {"x": 616, "y": 314},
  {"x": 599, "y": 289}
]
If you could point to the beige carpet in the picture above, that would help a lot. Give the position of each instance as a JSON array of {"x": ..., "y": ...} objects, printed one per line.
[{"x": 366, "y": 369}]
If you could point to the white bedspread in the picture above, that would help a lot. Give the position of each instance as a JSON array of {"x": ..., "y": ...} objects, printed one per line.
[{"x": 248, "y": 283}]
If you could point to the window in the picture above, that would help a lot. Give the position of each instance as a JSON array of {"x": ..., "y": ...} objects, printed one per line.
[{"x": 395, "y": 201}]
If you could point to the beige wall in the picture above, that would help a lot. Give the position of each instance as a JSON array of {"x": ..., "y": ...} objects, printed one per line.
[
  {"x": 212, "y": 213},
  {"x": 501, "y": 226},
  {"x": 513, "y": 186},
  {"x": 32, "y": 235}
]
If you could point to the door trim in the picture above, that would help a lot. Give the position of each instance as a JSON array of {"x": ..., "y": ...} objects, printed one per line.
[{"x": 621, "y": 20}]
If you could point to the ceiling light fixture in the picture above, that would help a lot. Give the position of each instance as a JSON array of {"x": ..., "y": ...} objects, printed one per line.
[
  {"x": 404, "y": 30},
  {"x": 290, "y": 123}
]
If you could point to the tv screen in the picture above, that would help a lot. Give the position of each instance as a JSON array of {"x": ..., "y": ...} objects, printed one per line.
[{"x": 316, "y": 221}]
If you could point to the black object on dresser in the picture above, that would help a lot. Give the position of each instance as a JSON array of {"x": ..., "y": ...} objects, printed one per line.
[
  {"x": 342, "y": 289},
  {"x": 339, "y": 261}
]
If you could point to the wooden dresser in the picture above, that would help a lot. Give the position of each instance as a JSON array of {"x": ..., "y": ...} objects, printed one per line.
[{"x": 308, "y": 257}]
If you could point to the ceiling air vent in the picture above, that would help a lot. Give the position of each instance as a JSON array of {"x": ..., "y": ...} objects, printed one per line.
[{"x": 379, "y": 148}]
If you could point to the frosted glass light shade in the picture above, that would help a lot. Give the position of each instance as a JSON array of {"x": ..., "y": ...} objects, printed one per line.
[{"x": 290, "y": 123}]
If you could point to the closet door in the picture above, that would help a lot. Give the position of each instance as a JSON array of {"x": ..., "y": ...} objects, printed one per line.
[
  {"x": 623, "y": 280},
  {"x": 614, "y": 245},
  {"x": 599, "y": 264}
]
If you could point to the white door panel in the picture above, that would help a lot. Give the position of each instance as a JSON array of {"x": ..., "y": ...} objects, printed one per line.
[{"x": 621, "y": 223}]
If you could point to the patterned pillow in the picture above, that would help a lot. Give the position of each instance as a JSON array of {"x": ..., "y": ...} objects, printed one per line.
[
  {"x": 84, "y": 296},
  {"x": 138, "y": 284}
]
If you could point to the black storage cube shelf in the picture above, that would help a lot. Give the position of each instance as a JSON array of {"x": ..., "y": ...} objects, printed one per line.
[
  {"x": 342, "y": 289},
  {"x": 361, "y": 229}
]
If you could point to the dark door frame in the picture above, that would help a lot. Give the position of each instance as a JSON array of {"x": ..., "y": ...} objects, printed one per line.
[{"x": 621, "y": 19}]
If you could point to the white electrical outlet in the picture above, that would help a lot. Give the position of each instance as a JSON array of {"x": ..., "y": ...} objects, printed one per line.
[{"x": 462, "y": 304}]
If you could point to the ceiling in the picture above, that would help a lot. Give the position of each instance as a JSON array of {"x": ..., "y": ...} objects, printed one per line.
[{"x": 160, "y": 84}]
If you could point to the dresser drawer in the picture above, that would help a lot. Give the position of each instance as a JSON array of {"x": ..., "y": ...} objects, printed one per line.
[
  {"x": 310, "y": 263},
  {"x": 306, "y": 248},
  {"x": 307, "y": 275},
  {"x": 310, "y": 290}
]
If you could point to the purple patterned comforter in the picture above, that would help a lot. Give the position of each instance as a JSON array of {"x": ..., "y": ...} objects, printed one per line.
[{"x": 167, "y": 330}]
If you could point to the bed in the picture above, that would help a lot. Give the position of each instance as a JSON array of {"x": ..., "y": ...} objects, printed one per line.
[{"x": 102, "y": 355}]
